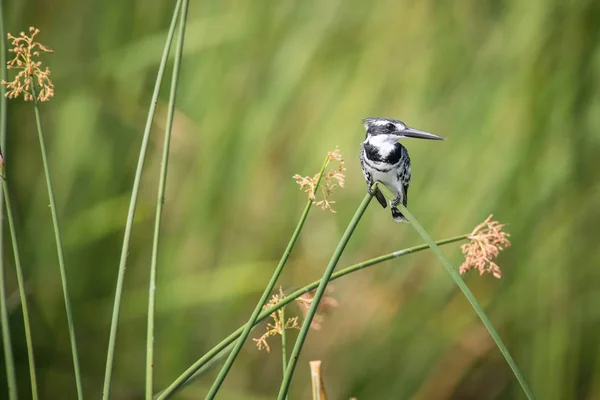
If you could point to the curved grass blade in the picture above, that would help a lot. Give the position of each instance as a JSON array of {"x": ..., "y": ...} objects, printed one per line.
[{"x": 470, "y": 297}]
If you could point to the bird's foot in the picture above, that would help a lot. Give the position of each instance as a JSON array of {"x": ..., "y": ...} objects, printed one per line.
[
  {"x": 396, "y": 201},
  {"x": 370, "y": 189}
]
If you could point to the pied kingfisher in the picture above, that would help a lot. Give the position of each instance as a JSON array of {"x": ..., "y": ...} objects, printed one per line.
[{"x": 385, "y": 160}]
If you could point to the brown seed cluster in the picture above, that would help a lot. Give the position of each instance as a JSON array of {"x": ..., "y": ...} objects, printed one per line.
[
  {"x": 486, "y": 241},
  {"x": 25, "y": 49},
  {"x": 279, "y": 322},
  {"x": 278, "y": 325},
  {"x": 326, "y": 304},
  {"x": 332, "y": 178}
]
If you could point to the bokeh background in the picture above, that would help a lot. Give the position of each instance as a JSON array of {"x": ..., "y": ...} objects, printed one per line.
[{"x": 267, "y": 88}]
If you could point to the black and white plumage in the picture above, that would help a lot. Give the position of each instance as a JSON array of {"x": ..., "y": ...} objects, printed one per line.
[{"x": 385, "y": 160}]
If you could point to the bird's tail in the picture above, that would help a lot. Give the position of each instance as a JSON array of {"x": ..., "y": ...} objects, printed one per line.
[
  {"x": 398, "y": 216},
  {"x": 380, "y": 198}
]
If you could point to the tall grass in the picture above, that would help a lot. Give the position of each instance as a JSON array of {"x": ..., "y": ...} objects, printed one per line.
[
  {"x": 9, "y": 360},
  {"x": 59, "y": 246},
  {"x": 308, "y": 318},
  {"x": 161, "y": 199},
  {"x": 268, "y": 88},
  {"x": 132, "y": 208},
  {"x": 22, "y": 294},
  {"x": 6, "y": 201},
  {"x": 470, "y": 297}
]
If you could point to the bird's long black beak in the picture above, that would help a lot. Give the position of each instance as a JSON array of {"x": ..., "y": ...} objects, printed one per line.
[{"x": 417, "y": 134}]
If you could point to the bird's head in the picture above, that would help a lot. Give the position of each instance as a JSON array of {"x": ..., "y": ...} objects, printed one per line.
[{"x": 391, "y": 130}]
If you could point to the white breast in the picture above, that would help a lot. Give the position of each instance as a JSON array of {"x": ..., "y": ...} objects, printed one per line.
[
  {"x": 384, "y": 144},
  {"x": 388, "y": 178}
]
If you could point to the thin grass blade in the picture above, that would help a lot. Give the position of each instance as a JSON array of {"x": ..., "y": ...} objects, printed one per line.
[
  {"x": 132, "y": 206},
  {"x": 9, "y": 360},
  {"x": 59, "y": 246},
  {"x": 22, "y": 294},
  {"x": 283, "y": 343},
  {"x": 160, "y": 202},
  {"x": 287, "y": 379},
  {"x": 470, "y": 297}
]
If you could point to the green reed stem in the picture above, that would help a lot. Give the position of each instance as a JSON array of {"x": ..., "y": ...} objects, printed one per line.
[
  {"x": 223, "y": 345},
  {"x": 287, "y": 378},
  {"x": 200, "y": 371},
  {"x": 248, "y": 327},
  {"x": 132, "y": 206},
  {"x": 283, "y": 342},
  {"x": 22, "y": 294},
  {"x": 59, "y": 246},
  {"x": 469, "y": 295},
  {"x": 161, "y": 200},
  {"x": 9, "y": 360}
]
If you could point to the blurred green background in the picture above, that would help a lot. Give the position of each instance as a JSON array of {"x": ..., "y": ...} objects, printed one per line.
[{"x": 267, "y": 88}]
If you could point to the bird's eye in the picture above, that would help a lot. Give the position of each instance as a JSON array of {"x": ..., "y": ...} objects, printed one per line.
[{"x": 391, "y": 126}]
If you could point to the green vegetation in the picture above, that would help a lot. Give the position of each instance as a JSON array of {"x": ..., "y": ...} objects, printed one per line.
[{"x": 265, "y": 91}]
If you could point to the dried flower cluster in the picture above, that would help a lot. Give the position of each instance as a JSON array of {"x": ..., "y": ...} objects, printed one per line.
[
  {"x": 326, "y": 304},
  {"x": 278, "y": 325},
  {"x": 331, "y": 179},
  {"x": 486, "y": 241},
  {"x": 25, "y": 49}
]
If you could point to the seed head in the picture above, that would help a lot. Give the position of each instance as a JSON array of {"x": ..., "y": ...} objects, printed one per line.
[
  {"x": 25, "y": 49},
  {"x": 278, "y": 325},
  {"x": 486, "y": 241},
  {"x": 331, "y": 178},
  {"x": 326, "y": 304}
]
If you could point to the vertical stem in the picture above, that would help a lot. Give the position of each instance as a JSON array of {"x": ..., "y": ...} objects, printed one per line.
[
  {"x": 9, "y": 360},
  {"x": 160, "y": 202},
  {"x": 470, "y": 297},
  {"x": 248, "y": 327},
  {"x": 59, "y": 246},
  {"x": 23, "y": 296},
  {"x": 285, "y": 384},
  {"x": 283, "y": 341},
  {"x": 6, "y": 340},
  {"x": 132, "y": 206}
]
